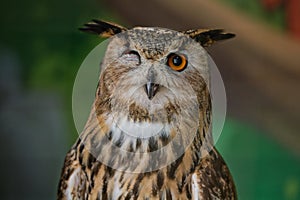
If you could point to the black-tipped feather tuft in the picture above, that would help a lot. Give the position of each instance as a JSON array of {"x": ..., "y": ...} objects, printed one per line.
[
  {"x": 102, "y": 28},
  {"x": 207, "y": 37}
]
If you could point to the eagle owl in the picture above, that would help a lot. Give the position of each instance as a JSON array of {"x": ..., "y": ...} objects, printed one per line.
[{"x": 149, "y": 134}]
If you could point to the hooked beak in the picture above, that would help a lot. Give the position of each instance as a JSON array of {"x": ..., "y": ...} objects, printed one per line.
[{"x": 151, "y": 89}]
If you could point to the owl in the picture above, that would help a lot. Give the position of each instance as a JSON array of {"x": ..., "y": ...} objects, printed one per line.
[{"x": 149, "y": 132}]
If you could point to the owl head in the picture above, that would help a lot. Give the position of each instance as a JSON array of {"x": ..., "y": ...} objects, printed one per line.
[
  {"x": 154, "y": 74},
  {"x": 152, "y": 97}
]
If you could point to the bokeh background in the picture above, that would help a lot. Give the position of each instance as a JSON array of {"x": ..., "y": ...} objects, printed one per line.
[{"x": 41, "y": 51}]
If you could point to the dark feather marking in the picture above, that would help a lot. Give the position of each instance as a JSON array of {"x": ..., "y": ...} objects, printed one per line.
[
  {"x": 153, "y": 146},
  {"x": 77, "y": 143},
  {"x": 67, "y": 175},
  {"x": 120, "y": 140},
  {"x": 109, "y": 135},
  {"x": 164, "y": 138},
  {"x": 173, "y": 167},
  {"x": 110, "y": 171},
  {"x": 138, "y": 143},
  {"x": 181, "y": 184},
  {"x": 154, "y": 189},
  {"x": 188, "y": 191},
  {"x": 91, "y": 161},
  {"x": 168, "y": 195},
  {"x": 135, "y": 190},
  {"x": 195, "y": 162},
  {"x": 130, "y": 148},
  {"x": 80, "y": 159},
  {"x": 94, "y": 173},
  {"x": 81, "y": 147},
  {"x": 104, "y": 187},
  {"x": 121, "y": 177},
  {"x": 128, "y": 196},
  {"x": 179, "y": 187},
  {"x": 160, "y": 180},
  {"x": 89, "y": 189},
  {"x": 136, "y": 186}
]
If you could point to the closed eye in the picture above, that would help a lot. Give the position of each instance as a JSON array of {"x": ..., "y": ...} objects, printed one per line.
[{"x": 132, "y": 55}]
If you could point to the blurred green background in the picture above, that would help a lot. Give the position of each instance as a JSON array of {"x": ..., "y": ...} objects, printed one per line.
[{"x": 41, "y": 51}]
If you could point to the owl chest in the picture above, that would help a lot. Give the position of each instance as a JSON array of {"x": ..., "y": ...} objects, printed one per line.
[
  {"x": 156, "y": 185},
  {"x": 173, "y": 181}
]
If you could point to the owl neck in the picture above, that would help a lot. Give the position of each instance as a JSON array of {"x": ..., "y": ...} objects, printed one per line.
[{"x": 134, "y": 147}]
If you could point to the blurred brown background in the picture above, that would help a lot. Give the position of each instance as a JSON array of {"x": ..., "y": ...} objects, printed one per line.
[{"x": 41, "y": 51}]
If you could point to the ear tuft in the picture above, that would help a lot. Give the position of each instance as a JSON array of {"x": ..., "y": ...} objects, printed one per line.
[
  {"x": 102, "y": 28},
  {"x": 207, "y": 37}
]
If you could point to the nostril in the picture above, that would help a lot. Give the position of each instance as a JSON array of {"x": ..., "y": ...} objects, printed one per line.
[{"x": 151, "y": 89}]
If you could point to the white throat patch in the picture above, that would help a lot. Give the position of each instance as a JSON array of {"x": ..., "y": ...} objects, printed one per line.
[{"x": 141, "y": 130}]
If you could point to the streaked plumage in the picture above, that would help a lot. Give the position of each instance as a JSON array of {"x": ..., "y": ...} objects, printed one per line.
[{"x": 138, "y": 89}]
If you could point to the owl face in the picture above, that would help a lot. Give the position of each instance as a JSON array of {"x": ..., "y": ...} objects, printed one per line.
[{"x": 153, "y": 74}]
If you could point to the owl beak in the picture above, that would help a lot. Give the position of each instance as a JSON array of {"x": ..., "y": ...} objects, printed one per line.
[{"x": 151, "y": 89}]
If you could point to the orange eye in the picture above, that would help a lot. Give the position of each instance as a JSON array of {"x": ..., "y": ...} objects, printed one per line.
[{"x": 177, "y": 62}]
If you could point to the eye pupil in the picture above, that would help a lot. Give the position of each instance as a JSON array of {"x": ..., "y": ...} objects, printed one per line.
[{"x": 177, "y": 60}]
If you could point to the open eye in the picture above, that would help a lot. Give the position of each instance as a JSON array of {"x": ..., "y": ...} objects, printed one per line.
[
  {"x": 132, "y": 55},
  {"x": 177, "y": 62}
]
